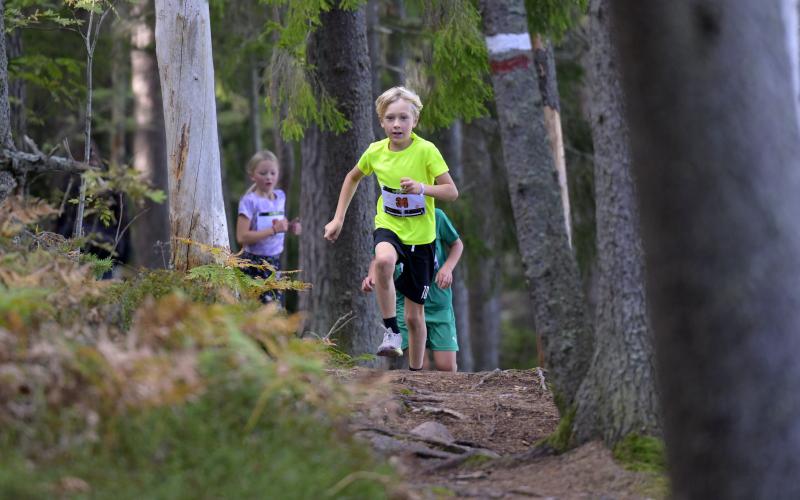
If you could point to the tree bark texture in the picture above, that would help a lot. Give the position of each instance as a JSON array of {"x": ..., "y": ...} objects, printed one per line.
[
  {"x": 17, "y": 91},
  {"x": 197, "y": 209},
  {"x": 151, "y": 230},
  {"x": 450, "y": 142},
  {"x": 5, "y": 110},
  {"x": 545, "y": 61},
  {"x": 716, "y": 157},
  {"x": 550, "y": 267},
  {"x": 483, "y": 261},
  {"x": 618, "y": 396},
  {"x": 338, "y": 49}
]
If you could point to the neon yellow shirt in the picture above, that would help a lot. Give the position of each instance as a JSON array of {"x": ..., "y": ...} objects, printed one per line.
[{"x": 420, "y": 161}]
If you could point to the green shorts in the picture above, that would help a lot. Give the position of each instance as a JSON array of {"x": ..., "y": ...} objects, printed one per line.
[{"x": 441, "y": 331}]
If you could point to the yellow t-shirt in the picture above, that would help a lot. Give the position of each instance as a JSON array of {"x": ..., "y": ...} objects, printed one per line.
[{"x": 420, "y": 161}]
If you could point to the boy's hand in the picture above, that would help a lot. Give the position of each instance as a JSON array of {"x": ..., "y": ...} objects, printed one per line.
[
  {"x": 367, "y": 284},
  {"x": 444, "y": 278},
  {"x": 280, "y": 225},
  {"x": 332, "y": 230},
  {"x": 410, "y": 186}
]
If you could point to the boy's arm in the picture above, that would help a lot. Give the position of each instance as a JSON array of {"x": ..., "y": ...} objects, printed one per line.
[
  {"x": 444, "y": 189},
  {"x": 444, "y": 278},
  {"x": 349, "y": 186}
]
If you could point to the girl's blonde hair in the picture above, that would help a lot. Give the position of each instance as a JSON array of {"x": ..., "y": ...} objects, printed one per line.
[
  {"x": 258, "y": 158},
  {"x": 395, "y": 94}
]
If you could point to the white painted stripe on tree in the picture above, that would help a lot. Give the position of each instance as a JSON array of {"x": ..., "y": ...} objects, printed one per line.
[
  {"x": 790, "y": 20},
  {"x": 506, "y": 42}
]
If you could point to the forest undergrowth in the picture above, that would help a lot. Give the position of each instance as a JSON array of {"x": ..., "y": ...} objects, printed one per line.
[{"x": 162, "y": 385}]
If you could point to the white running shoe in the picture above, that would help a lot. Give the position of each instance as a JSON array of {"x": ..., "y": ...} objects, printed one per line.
[{"x": 391, "y": 345}]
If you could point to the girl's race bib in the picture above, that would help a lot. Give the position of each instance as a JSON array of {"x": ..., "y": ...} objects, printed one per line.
[
  {"x": 400, "y": 204},
  {"x": 264, "y": 219}
]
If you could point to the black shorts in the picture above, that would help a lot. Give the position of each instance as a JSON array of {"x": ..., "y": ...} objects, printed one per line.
[{"x": 418, "y": 260}]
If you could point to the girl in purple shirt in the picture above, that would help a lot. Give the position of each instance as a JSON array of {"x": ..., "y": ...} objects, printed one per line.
[{"x": 261, "y": 224}]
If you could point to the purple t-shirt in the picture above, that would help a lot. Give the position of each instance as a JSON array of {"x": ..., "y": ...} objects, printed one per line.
[{"x": 261, "y": 212}]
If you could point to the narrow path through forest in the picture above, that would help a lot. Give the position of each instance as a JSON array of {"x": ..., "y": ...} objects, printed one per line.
[{"x": 470, "y": 435}]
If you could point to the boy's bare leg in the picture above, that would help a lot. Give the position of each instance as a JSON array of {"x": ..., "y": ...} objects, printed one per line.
[
  {"x": 385, "y": 260},
  {"x": 417, "y": 333},
  {"x": 445, "y": 361}
]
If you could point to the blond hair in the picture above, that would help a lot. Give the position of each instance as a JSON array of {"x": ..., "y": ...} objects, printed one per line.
[
  {"x": 395, "y": 94},
  {"x": 264, "y": 155}
]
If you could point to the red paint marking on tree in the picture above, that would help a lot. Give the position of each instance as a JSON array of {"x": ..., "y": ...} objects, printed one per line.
[{"x": 508, "y": 65}]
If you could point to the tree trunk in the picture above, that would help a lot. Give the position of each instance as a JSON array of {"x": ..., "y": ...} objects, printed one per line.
[
  {"x": 451, "y": 145},
  {"x": 17, "y": 90},
  {"x": 338, "y": 49},
  {"x": 150, "y": 232},
  {"x": 255, "y": 98},
  {"x": 618, "y": 395},
  {"x": 375, "y": 57},
  {"x": 5, "y": 110},
  {"x": 120, "y": 79},
  {"x": 550, "y": 267},
  {"x": 197, "y": 209},
  {"x": 716, "y": 159},
  {"x": 548, "y": 86},
  {"x": 483, "y": 262}
]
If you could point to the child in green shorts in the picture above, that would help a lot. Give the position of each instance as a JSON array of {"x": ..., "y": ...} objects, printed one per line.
[{"x": 442, "y": 341}]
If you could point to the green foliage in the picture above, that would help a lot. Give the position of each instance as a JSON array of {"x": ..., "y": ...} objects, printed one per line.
[
  {"x": 553, "y": 18},
  {"x": 19, "y": 306},
  {"x": 459, "y": 68},
  {"x": 641, "y": 453},
  {"x": 57, "y": 76},
  {"x": 155, "y": 284},
  {"x": 293, "y": 84},
  {"x": 99, "y": 266}
]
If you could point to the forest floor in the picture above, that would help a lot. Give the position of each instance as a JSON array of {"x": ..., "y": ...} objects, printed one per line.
[{"x": 471, "y": 435}]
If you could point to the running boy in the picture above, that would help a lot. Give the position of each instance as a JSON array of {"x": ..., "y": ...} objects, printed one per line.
[
  {"x": 411, "y": 173},
  {"x": 440, "y": 319}
]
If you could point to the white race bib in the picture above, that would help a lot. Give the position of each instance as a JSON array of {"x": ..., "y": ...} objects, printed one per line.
[
  {"x": 400, "y": 204},
  {"x": 264, "y": 219}
]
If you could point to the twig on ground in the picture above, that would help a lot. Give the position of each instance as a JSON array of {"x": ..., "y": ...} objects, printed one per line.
[
  {"x": 486, "y": 377},
  {"x": 540, "y": 373}
]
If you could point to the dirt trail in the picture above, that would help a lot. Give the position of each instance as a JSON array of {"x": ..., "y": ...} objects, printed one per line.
[{"x": 469, "y": 435}]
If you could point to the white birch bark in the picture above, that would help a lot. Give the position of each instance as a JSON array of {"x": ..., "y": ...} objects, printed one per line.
[{"x": 197, "y": 210}]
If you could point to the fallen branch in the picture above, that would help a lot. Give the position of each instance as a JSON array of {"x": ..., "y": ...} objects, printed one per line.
[
  {"x": 21, "y": 162},
  {"x": 441, "y": 411}
]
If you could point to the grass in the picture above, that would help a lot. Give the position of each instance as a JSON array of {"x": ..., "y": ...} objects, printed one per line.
[{"x": 201, "y": 450}]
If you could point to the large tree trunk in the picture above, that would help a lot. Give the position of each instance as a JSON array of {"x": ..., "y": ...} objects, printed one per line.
[
  {"x": 484, "y": 262},
  {"x": 618, "y": 396},
  {"x": 151, "y": 230},
  {"x": 197, "y": 209},
  {"x": 716, "y": 156},
  {"x": 339, "y": 51},
  {"x": 550, "y": 268}
]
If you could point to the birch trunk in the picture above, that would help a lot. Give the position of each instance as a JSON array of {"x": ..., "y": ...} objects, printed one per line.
[
  {"x": 197, "y": 209},
  {"x": 716, "y": 158},
  {"x": 549, "y": 264}
]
